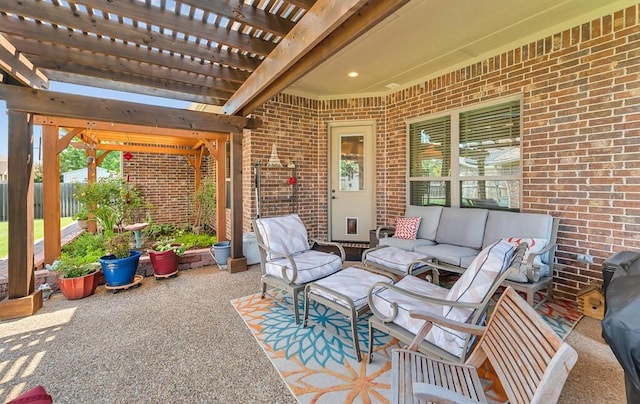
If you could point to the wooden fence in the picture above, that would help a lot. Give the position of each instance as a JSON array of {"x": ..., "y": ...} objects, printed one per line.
[{"x": 68, "y": 205}]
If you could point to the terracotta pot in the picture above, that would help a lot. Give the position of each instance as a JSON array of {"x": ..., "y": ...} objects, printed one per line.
[
  {"x": 163, "y": 262},
  {"x": 78, "y": 288}
]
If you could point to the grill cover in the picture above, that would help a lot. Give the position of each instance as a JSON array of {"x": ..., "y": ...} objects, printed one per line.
[{"x": 621, "y": 323}]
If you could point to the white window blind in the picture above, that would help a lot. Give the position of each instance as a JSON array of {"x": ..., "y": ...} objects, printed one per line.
[{"x": 468, "y": 158}]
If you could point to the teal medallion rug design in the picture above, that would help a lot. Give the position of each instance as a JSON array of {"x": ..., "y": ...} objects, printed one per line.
[{"x": 318, "y": 362}]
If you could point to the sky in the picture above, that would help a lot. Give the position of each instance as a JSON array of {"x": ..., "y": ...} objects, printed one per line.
[{"x": 80, "y": 90}]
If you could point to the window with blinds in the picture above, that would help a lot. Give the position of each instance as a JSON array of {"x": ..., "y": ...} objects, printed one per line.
[
  {"x": 430, "y": 161},
  {"x": 469, "y": 158}
]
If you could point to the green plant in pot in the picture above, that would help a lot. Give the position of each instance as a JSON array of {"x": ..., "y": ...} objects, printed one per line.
[
  {"x": 76, "y": 275},
  {"x": 111, "y": 200},
  {"x": 82, "y": 216},
  {"x": 120, "y": 263},
  {"x": 164, "y": 257}
]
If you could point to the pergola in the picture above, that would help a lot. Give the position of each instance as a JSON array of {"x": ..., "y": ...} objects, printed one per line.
[
  {"x": 99, "y": 138},
  {"x": 106, "y": 125},
  {"x": 234, "y": 56}
]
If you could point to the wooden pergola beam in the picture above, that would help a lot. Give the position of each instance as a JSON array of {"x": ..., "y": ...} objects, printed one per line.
[
  {"x": 43, "y": 11},
  {"x": 359, "y": 23},
  {"x": 321, "y": 19},
  {"x": 23, "y": 300},
  {"x": 41, "y": 102},
  {"x": 19, "y": 66},
  {"x": 51, "y": 188},
  {"x": 236, "y": 262},
  {"x": 109, "y": 147},
  {"x": 221, "y": 189}
]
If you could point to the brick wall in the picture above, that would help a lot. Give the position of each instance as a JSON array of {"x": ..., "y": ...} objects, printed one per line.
[
  {"x": 580, "y": 136},
  {"x": 580, "y": 139},
  {"x": 166, "y": 182},
  {"x": 292, "y": 123}
]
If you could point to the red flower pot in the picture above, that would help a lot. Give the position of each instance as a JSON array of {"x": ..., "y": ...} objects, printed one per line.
[
  {"x": 163, "y": 262},
  {"x": 78, "y": 288}
]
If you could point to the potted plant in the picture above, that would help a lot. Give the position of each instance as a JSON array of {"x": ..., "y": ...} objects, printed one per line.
[
  {"x": 76, "y": 276},
  {"x": 120, "y": 263},
  {"x": 111, "y": 200},
  {"x": 164, "y": 257},
  {"x": 82, "y": 217}
]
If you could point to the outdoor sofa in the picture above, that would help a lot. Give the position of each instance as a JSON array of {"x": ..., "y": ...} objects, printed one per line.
[{"x": 453, "y": 237}]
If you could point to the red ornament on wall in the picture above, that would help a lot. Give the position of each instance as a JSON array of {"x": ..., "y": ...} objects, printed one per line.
[
  {"x": 292, "y": 180},
  {"x": 127, "y": 156}
]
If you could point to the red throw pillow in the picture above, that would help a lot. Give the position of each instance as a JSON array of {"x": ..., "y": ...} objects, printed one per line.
[
  {"x": 37, "y": 395},
  {"x": 407, "y": 227}
]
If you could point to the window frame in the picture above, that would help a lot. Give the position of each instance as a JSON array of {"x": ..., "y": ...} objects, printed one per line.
[{"x": 454, "y": 178}]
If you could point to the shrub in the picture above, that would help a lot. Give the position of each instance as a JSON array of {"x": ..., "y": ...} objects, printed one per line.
[
  {"x": 190, "y": 240},
  {"x": 118, "y": 244},
  {"x": 88, "y": 246},
  {"x": 111, "y": 200}
]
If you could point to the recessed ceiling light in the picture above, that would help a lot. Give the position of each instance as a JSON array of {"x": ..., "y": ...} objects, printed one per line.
[
  {"x": 392, "y": 85},
  {"x": 353, "y": 74}
]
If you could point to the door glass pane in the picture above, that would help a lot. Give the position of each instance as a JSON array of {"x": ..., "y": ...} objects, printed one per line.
[{"x": 352, "y": 163}]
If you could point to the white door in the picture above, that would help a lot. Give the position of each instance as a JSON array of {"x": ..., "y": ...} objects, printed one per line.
[{"x": 352, "y": 181}]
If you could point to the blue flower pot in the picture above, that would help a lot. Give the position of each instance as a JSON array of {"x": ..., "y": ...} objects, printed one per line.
[{"x": 120, "y": 271}]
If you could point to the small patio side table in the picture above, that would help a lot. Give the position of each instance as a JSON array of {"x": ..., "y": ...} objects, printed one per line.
[{"x": 345, "y": 292}]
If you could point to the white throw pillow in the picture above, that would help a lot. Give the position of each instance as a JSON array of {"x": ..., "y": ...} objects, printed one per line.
[{"x": 535, "y": 246}]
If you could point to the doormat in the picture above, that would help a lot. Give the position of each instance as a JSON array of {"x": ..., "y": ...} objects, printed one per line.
[{"x": 318, "y": 362}]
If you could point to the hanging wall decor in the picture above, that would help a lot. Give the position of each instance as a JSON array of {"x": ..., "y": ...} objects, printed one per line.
[{"x": 274, "y": 160}]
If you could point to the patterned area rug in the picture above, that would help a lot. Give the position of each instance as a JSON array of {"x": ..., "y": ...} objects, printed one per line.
[{"x": 318, "y": 362}]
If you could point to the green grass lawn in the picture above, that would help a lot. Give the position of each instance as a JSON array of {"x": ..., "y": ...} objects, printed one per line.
[{"x": 38, "y": 233}]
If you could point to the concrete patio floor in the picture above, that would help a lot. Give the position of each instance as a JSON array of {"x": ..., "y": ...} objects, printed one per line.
[{"x": 180, "y": 340}]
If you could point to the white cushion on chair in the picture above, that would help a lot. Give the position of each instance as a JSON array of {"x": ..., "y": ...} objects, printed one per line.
[
  {"x": 472, "y": 287},
  {"x": 382, "y": 301},
  {"x": 312, "y": 265},
  {"x": 394, "y": 258},
  {"x": 351, "y": 282},
  {"x": 283, "y": 234}
]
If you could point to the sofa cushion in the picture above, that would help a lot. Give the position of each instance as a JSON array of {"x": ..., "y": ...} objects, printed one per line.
[
  {"x": 462, "y": 227},
  {"x": 407, "y": 227},
  {"x": 408, "y": 245},
  {"x": 430, "y": 219},
  {"x": 501, "y": 224},
  {"x": 283, "y": 234},
  {"x": 450, "y": 254}
]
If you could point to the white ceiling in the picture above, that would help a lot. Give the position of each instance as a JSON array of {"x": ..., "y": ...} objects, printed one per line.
[{"x": 430, "y": 37}]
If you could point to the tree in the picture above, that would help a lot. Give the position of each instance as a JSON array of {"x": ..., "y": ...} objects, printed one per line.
[
  {"x": 37, "y": 173},
  {"x": 74, "y": 159}
]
